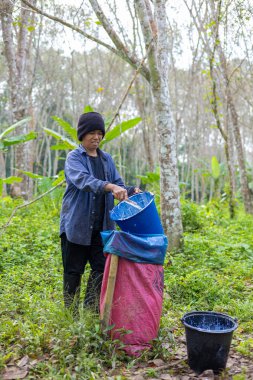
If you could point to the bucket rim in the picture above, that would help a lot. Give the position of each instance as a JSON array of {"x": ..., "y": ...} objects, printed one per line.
[
  {"x": 132, "y": 216},
  {"x": 192, "y": 313}
]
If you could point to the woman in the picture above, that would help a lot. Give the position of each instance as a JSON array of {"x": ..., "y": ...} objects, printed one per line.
[{"x": 92, "y": 184}]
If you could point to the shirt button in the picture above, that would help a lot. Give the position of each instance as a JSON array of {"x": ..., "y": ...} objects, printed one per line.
[
  {"x": 93, "y": 197},
  {"x": 91, "y": 227},
  {"x": 93, "y": 212}
]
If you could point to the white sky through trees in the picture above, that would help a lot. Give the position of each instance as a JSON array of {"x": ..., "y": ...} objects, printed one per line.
[{"x": 178, "y": 14}]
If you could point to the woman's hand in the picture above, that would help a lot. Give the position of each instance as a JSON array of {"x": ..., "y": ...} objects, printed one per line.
[
  {"x": 118, "y": 192},
  {"x": 137, "y": 190}
]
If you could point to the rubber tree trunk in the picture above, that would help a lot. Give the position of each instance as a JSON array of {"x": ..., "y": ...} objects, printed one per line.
[
  {"x": 141, "y": 104},
  {"x": 16, "y": 51},
  {"x": 2, "y": 172},
  {"x": 170, "y": 196},
  {"x": 157, "y": 75},
  {"x": 246, "y": 194}
]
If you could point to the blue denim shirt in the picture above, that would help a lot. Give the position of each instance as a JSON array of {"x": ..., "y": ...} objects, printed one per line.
[{"x": 77, "y": 213}]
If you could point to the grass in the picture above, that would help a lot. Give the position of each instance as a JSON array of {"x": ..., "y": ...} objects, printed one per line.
[{"x": 213, "y": 272}]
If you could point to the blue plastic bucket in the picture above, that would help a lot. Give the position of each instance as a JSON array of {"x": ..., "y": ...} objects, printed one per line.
[
  {"x": 138, "y": 220},
  {"x": 208, "y": 339}
]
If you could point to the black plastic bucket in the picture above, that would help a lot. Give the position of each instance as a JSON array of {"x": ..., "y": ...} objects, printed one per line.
[{"x": 208, "y": 339}]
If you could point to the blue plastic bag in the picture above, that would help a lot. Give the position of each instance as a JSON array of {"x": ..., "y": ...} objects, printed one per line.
[{"x": 150, "y": 249}]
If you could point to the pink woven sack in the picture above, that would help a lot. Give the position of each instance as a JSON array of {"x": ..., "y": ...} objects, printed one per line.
[{"x": 137, "y": 303}]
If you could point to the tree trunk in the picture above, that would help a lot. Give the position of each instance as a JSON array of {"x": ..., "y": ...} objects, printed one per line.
[
  {"x": 140, "y": 98},
  {"x": 230, "y": 162},
  {"x": 170, "y": 203},
  {"x": 158, "y": 75},
  {"x": 16, "y": 57},
  {"x": 203, "y": 190},
  {"x": 246, "y": 194},
  {"x": 192, "y": 183},
  {"x": 197, "y": 187},
  {"x": 2, "y": 171}
]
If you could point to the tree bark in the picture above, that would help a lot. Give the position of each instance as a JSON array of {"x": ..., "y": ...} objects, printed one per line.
[
  {"x": 246, "y": 194},
  {"x": 158, "y": 66},
  {"x": 16, "y": 57},
  {"x": 215, "y": 16},
  {"x": 141, "y": 104},
  {"x": 2, "y": 171}
]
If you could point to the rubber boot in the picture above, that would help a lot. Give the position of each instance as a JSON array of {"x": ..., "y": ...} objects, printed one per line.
[
  {"x": 71, "y": 292},
  {"x": 93, "y": 290}
]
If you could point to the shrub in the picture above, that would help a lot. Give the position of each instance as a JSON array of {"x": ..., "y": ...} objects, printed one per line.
[{"x": 191, "y": 216}]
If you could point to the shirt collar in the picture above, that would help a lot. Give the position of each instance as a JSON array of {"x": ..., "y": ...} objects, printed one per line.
[{"x": 82, "y": 150}]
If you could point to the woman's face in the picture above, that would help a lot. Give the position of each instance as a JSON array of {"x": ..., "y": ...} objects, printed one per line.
[{"x": 91, "y": 140}]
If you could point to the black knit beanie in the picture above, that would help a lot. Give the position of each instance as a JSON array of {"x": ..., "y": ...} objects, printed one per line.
[{"x": 88, "y": 122}]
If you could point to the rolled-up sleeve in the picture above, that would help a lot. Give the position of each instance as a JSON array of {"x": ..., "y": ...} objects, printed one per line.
[{"x": 78, "y": 174}]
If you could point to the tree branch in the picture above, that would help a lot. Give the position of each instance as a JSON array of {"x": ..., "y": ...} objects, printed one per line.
[
  {"x": 22, "y": 41},
  {"x": 152, "y": 23},
  {"x": 130, "y": 85},
  {"x": 147, "y": 35},
  {"x": 71, "y": 26},
  {"x": 124, "y": 54},
  {"x": 6, "y": 10}
]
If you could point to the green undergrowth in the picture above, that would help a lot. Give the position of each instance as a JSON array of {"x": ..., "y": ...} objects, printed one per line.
[{"x": 212, "y": 272}]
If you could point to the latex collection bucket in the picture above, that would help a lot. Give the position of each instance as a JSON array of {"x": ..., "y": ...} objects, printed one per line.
[
  {"x": 208, "y": 339},
  {"x": 143, "y": 219}
]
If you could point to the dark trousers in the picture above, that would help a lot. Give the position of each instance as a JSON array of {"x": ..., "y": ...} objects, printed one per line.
[{"x": 74, "y": 258}]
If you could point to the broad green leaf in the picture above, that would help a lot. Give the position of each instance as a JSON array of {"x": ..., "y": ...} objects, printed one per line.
[
  {"x": 88, "y": 109},
  {"x": 144, "y": 179},
  {"x": 119, "y": 129},
  {"x": 71, "y": 131},
  {"x": 30, "y": 174},
  {"x": 58, "y": 136},
  {"x": 20, "y": 139},
  {"x": 13, "y": 126},
  {"x": 154, "y": 177},
  {"x": 215, "y": 168},
  {"x": 150, "y": 177},
  {"x": 60, "y": 147},
  {"x": 12, "y": 179}
]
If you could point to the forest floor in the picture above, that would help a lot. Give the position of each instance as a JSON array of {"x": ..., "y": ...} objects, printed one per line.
[
  {"x": 238, "y": 367},
  {"x": 176, "y": 368},
  {"x": 40, "y": 340}
]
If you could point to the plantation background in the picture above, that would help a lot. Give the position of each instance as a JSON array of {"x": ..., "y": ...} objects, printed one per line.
[
  {"x": 174, "y": 84},
  {"x": 212, "y": 272}
]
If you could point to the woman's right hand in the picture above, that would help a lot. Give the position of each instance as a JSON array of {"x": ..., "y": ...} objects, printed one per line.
[{"x": 118, "y": 192}]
